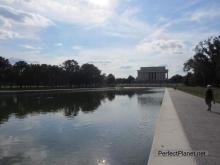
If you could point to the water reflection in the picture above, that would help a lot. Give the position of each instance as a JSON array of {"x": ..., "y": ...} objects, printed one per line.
[
  {"x": 102, "y": 162},
  {"x": 148, "y": 100},
  {"x": 106, "y": 128},
  {"x": 14, "y": 150},
  {"x": 69, "y": 103}
]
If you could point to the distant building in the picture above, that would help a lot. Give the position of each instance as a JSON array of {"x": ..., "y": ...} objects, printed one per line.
[{"x": 152, "y": 74}]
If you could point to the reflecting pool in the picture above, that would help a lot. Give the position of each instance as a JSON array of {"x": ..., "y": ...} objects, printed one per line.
[{"x": 84, "y": 128}]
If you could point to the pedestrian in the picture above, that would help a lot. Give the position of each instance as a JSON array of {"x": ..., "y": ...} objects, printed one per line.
[
  {"x": 175, "y": 86},
  {"x": 209, "y": 97}
]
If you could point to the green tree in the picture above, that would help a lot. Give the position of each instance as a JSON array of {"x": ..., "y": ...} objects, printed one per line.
[
  {"x": 43, "y": 75},
  {"x": 176, "y": 79},
  {"x": 71, "y": 66},
  {"x": 110, "y": 79},
  {"x": 205, "y": 64},
  {"x": 4, "y": 68},
  {"x": 130, "y": 79},
  {"x": 20, "y": 69},
  {"x": 189, "y": 79},
  {"x": 90, "y": 75}
]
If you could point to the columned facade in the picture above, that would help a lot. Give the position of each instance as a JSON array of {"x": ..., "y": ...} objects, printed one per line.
[{"x": 152, "y": 74}]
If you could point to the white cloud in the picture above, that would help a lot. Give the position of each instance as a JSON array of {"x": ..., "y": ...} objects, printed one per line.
[
  {"x": 90, "y": 13},
  {"x": 16, "y": 23},
  {"x": 14, "y": 16},
  {"x": 205, "y": 13},
  {"x": 163, "y": 42},
  {"x": 77, "y": 47},
  {"x": 101, "y": 3},
  {"x": 84, "y": 12},
  {"x": 30, "y": 47},
  {"x": 161, "y": 46},
  {"x": 7, "y": 34},
  {"x": 127, "y": 25},
  {"x": 58, "y": 44},
  {"x": 5, "y": 23}
]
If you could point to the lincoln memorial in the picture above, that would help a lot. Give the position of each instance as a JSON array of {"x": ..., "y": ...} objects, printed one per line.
[{"x": 152, "y": 74}]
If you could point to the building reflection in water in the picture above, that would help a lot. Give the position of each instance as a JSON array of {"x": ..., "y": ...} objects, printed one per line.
[{"x": 150, "y": 99}]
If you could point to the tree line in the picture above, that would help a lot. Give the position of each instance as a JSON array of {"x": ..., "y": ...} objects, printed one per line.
[
  {"x": 70, "y": 74},
  {"x": 204, "y": 67}
]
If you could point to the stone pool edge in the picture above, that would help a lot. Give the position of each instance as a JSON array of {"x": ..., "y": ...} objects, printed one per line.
[
  {"x": 169, "y": 136},
  {"x": 71, "y": 90}
]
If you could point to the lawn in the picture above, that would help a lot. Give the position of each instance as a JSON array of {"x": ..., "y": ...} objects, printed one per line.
[{"x": 200, "y": 91}]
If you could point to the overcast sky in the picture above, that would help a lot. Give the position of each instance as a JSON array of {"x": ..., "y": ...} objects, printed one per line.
[{"x": 118, "y": 36}]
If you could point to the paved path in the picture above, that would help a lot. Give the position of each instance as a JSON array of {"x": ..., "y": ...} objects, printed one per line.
[
  {"x": 169, "y": 136},
  {"x": 202, "y": 128}
]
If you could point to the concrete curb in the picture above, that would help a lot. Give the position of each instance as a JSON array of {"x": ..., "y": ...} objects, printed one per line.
[
  {"x": 72, "y": 90},
  {"x": 169, "y": 136}
]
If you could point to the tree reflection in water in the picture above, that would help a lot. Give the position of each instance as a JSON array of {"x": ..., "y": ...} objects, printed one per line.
[{"x": 68, "y": 103}]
